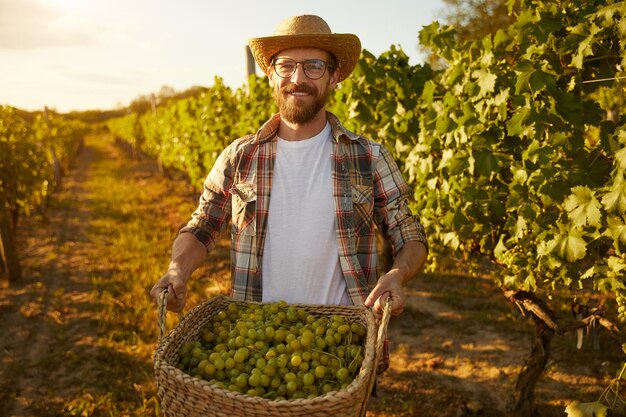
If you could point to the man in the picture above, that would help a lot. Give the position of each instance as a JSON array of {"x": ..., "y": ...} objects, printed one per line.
[{"x": 303, "y": 193}]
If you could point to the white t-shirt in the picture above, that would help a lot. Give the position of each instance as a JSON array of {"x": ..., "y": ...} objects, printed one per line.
[{"x": 300, "y": 257}]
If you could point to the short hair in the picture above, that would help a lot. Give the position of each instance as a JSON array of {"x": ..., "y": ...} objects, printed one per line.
[{"x": 332, "y": 63}]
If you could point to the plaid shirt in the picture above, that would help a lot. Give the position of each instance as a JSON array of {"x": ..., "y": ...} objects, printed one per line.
[{"x": 368, "y": 190}]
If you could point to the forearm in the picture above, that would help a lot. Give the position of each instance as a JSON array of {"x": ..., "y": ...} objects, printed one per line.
[
  {"x": 409, "y": 261},
  {"x": 188, "y": 253}
]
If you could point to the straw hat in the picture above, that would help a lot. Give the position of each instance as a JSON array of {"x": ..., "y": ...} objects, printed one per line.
[{"x": 308, "y": 31}]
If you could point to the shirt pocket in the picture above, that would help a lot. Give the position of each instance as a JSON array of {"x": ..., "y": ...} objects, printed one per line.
[
  {"x": 244, "y": 208},
  {"x": 362, "y": 203}
]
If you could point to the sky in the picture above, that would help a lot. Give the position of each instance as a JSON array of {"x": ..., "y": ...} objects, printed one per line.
[{"x": 102, "y": 54}]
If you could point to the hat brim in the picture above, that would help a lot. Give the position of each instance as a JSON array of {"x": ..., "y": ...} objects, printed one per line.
[{"x": 345, "y": 47}]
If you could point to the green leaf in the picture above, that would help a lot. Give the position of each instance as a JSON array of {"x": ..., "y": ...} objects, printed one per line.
[
  {"x": 485, "y": 163},
  {"x": 500, "y": 36},
  {"x": 486, "y": 81},
  {"x": 539, "y": 79},
  {"x": 585, "y": 47},
  {"x": 616, "y": 265},
  {"x": 500, "y": 248},
  {"x": 525, "y": 71},
  {"x": 457, "y": 163},
  {"x": 520, "y": 227},
  {"x": 592, "y": 409},
  {"x": 441, "y": 39},
  {"x": 445, "y": 124},
  {"x": 617, "y": 230},
  {"x": 615, "y": 200},
  {"x": 460, "y": 221},
  {"x": 515, "y": 126},
  {"x": 570, "y": 246},
  {"x": 428, "y": 92},
  {"x": 582, "y": 207},
  {"x": 569, "y": 107},
  {"x": 620, "y": 158}
]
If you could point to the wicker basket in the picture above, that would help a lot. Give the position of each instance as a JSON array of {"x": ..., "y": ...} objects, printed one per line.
[{"x": 183, "y": 395}]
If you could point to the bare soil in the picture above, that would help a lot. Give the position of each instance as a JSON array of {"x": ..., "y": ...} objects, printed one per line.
[{"x": 456, "y": 350}]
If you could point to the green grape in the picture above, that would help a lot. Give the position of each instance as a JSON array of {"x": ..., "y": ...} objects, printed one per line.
[
  {"x": 277, "y": 351},
  {"x": 265, "y": 380},
  {"x": 229, "y": 363},
  {"x": 296, "y": 360},
  {"x": 292, "y": 386},
  {"x": 308, "y": 379},
  {"x": 242, "y": 380},
  {"x": 254, "y": 380},
  {"x": 269, "y": 370},
  {"x": 342, "y": 374},
  {"x": 320, "y": 372}
]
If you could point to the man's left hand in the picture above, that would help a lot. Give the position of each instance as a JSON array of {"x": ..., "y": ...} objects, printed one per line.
[{"x": 388, "y": 286}]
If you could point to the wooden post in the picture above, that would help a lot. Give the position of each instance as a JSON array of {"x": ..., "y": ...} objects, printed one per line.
[
  {"x": 153, "y": 106},
  {"x": 55, "y": 160},
  {"x": 250, "y": 64},
  {"x": 8, "y": 247}
]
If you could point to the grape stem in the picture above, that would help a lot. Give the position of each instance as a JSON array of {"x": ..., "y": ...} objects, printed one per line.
[{"x": 613, "y": 388}]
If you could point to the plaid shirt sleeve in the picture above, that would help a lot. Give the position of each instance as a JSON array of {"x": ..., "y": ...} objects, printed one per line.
[
  {"x": 393, "y": 216},
  {"x": 391, "y": 210},
  {"x": 214, "y": 209}
]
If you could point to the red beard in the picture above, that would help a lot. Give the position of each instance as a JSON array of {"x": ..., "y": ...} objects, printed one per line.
[{"x": 303, "y": 112}]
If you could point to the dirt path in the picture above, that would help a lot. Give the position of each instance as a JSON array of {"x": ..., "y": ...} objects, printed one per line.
[
  {"x": 47, "y": 318},
  {"x": 456, "y": 350}
]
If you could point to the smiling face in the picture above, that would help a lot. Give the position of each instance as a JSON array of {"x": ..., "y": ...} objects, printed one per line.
[{"x": 299, "y": 98}]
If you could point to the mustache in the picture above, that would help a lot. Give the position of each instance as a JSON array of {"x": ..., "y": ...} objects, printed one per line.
[{"x": 304, "y": 88}]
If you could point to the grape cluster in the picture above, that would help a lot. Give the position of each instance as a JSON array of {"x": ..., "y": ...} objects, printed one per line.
[
  {"x": 620, "y": 298},
  {"x": 276, "y": 350}
]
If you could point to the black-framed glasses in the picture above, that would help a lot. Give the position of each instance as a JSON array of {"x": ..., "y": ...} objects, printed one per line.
[{"x": 313, "y": 68}]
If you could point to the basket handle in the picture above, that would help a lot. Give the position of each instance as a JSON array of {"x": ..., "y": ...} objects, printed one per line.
[
  {"x": 378, "y": 350},
  {"x": 162, "y": 312},
  {"x": 382, "y": 329}
]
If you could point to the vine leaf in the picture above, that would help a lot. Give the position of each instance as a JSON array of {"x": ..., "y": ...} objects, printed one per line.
[
  {"x": 516, "y": 125},
  {"x": 525, "y": 70},
  {"x": 615, "y": 200},
  {"x": 569, "y": 245},
  {"x": 583, "y": 208},
  {"x": 585, "y": 48},
  {"x": 617, "y": 230},
  {"x": 486, "y": 81},
  {"x": 592, "y": 409}
]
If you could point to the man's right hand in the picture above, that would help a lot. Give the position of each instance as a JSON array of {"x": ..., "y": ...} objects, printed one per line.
[{"x": 176, "y": 286}]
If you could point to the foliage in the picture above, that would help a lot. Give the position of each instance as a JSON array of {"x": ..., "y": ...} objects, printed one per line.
[
  {"x": 24, "y": 168},
  {"x": 127, "y": 128},
  {"x": 380, "y": 97},
  {"x": 188, "y": 134},
  {"x": 520, "y": 165},
  {"x": 26, "y": 155}
]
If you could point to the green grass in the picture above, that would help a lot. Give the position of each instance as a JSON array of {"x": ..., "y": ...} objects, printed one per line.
[{"x": 133, "y": 216}]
